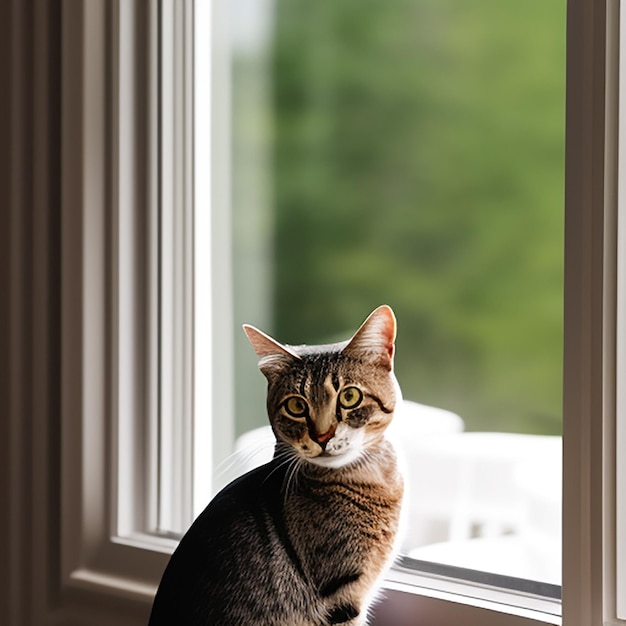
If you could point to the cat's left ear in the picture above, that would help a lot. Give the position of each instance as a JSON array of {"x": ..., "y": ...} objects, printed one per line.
[
  {"x": 376, "y": 337},
  {"x": 272, "y": 355}
]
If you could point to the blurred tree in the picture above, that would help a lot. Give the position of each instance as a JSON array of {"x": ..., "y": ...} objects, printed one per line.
[{"x": 418, "y": 161}]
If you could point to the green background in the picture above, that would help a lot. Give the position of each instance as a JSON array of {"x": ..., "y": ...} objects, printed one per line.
[{"x": 416, "y": 159}]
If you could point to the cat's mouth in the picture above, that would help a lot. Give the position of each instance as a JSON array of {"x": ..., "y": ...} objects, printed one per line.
[
  {"x": 337, "y": 446},
  {"x": 323, "y": 438},
  {"x": 336, "y": 456}
]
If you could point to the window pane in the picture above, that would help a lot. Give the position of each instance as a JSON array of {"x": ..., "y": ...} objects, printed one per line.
[{"x": 411, "y": 153}]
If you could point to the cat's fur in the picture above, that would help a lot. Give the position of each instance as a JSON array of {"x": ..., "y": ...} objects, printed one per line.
[{"x": 302, "y": 540}]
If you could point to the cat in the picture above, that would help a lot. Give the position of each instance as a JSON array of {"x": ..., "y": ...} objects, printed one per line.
[{"x": 304, "y": 539}]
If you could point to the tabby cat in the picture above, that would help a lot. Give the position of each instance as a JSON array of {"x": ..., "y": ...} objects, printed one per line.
[{"x": 302, "y": 540}]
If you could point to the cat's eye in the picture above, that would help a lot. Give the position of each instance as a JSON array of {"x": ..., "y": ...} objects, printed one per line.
[
  {"x": 296, "y": 406},
  {"x": 350, "y": 397}
]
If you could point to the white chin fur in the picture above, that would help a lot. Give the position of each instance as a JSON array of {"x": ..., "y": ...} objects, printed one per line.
[
  {"x": 344, "y": 448},
  {"x": 335, "y": 461}
]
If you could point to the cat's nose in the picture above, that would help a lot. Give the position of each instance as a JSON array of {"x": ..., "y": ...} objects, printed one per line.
[{"x": 323, "y": 438}]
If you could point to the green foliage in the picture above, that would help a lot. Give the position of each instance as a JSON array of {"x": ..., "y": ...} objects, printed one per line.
[{"x": 419, "y": 162}]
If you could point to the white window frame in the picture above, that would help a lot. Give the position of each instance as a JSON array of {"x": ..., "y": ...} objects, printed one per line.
[
  {"x": 82, "y": 556},
  {"x": 107, "y": 322},
  {"x": 213, "y": 315},
  {"x": 172, "y": 207}
]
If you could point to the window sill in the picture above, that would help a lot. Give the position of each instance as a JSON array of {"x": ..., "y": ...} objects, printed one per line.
[{"x": 413, "y": 593}]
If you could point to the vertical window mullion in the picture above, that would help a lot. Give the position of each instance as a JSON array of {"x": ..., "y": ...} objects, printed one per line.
[
  {"x": 153, "y": 316},
  {"x": 213, "y": 425},
  {"x": 202, "y": 78},
  {"x": 186, "y": 46},
  {"x": 175, "y": 251},
  {"x": 166, "y": 423}
]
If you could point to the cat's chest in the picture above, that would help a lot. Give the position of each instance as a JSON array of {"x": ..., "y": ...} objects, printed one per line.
[{"x": 338, "y": 521}]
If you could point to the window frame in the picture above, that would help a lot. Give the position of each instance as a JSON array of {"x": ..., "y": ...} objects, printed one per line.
[
  {"x": 173, "y": 264},
  {"x": 72, "y": 568},
  {"x": 620, "y": 365},
  {"x": 590, "y": 384},
  {"x": 213, "y": 314},
  {"x": 107, "y": 325}
]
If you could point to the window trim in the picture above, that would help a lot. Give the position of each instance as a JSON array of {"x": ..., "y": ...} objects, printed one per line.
[
  {"x": 213, "y": 314},
  {"x": 104, "y": 415},
  {"x": 173, "y": 210},
  {"x": 620, "y": 399},
  {"x": 590, "y": 314},
  {"x": 112, "y": 192}
]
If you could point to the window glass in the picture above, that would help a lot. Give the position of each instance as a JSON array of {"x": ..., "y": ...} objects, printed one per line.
[{"x": 412, "y": 153}]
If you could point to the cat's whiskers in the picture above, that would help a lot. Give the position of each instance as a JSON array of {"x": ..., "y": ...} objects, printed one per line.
[
  {"x": 242, "y": 459},
  {"x": 284, "y": 456},
  {"x": 292, "y": 475}
]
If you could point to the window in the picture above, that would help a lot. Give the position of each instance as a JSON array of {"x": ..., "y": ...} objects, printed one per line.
[
  {"x": 258, "y": 244},
  {"x": 256, "y": 248},
  {"x": 412, "y": 153},
  {"x": 87, "y": 479}
]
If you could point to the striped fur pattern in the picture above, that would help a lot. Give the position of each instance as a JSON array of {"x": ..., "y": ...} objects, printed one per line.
[{"x": 304, "y": 539}]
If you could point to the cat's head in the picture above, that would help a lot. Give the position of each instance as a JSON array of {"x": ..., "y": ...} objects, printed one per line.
[{"x": 331, "y": 403}]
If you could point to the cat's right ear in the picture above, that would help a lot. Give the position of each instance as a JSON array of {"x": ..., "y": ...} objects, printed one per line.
[{"x": 273, "y": 356}]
